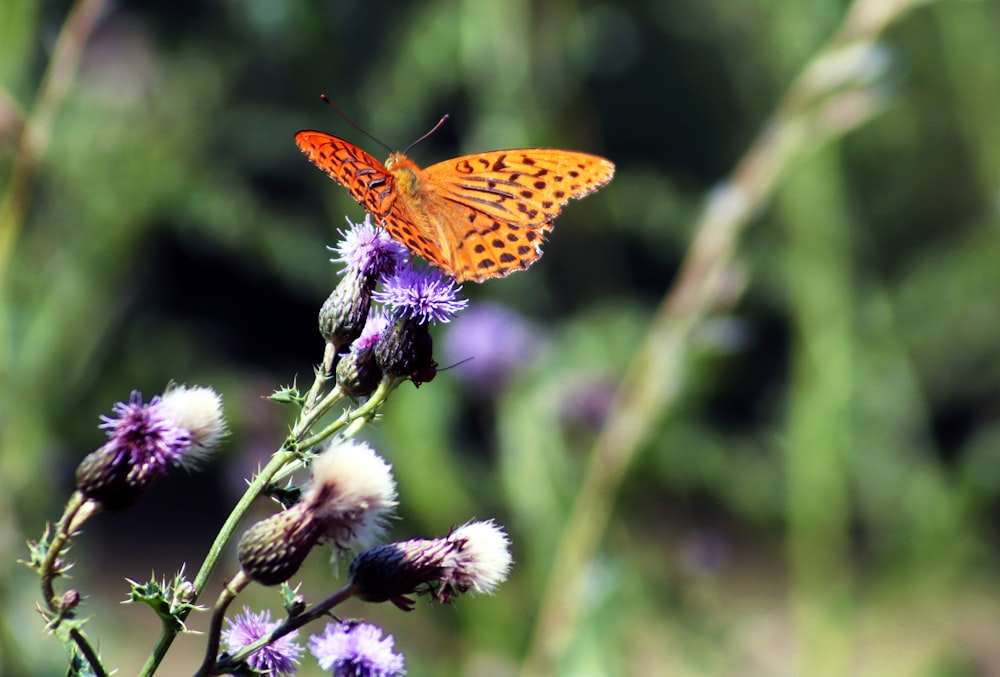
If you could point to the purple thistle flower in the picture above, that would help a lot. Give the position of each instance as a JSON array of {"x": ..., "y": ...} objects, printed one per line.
[
  {"x": 377, "y": 323},
  {"x": 147, "y": 434},
  {"x": 280, "y": 657},
  {"x": 179, "y": 428},
  {"x": 369, "y": 250},
  {"x": 424, "y": 295},
  {"x": 356, "y": 649}
]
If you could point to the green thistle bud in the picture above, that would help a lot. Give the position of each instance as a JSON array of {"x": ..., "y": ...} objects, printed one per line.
[
  {"x": 357, "y": 373},
  {"x": 405, "y": 350},
  {"x": 343, "y": 315},
  {"x": 272, "y": 550},
  {"x": 109, "y": 479}
]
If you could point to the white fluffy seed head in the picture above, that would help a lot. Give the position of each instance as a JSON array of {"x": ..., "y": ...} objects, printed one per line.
[
  {"x": 198, "y": 410},
  {"x": 485, "y": 560},
  {"x": 353, "y": 494}
]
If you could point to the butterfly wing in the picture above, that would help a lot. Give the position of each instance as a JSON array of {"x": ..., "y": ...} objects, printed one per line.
[
  {"x": 501, "y": 203},
  {"x": 364, "y": 177}
]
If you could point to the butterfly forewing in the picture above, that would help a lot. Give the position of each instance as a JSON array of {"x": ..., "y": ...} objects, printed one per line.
[{"x": 365, "y": 178}]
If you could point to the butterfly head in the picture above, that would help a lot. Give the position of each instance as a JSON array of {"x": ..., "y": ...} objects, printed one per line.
[{"x": 405, "y": 172}]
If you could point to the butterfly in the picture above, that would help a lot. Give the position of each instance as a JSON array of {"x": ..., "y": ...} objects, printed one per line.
[{"x": 475, "y": 217}]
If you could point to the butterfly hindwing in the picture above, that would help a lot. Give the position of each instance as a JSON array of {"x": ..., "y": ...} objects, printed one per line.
[{"x": 526, "y": 186}]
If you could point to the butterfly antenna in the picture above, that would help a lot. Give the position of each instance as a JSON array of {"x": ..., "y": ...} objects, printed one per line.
[
  {"x": 355, "y": 124},
  {"x": 433, "y": 129}
]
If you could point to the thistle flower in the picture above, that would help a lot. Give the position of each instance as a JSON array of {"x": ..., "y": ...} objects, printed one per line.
[
  {"x": 280, "y": 657},
  {"x": 358, "y": 373},
  {"x": 418, "y": 298},
  {"x": 177, "y": 429},
  {"x": 349, "y": 501},
  {"x": 423, "y": 294},
  {"x": 356, "y": 649},
  {"x": 352, "y": 494},
  {"x": 368, "y": 252},
  {"x": 474, "y": 557}
]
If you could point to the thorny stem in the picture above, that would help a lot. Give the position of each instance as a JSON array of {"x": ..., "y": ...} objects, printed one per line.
[
  {"x": 313, "y": 413},
  {"x": 61, "y": 536},
  {"x": 88, "y": 652},
  {"x": 356, "y": 417},
  {"x": 226, "y": 597},
  {"x": 323, "y": 373},
  {"x": 653, "y": 380},
  {"x": 289, "y": 625},
  {"x": 78, "y": 510}
]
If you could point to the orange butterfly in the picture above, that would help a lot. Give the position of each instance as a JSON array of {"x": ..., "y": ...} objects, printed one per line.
[{"x": 474, "y": 217}]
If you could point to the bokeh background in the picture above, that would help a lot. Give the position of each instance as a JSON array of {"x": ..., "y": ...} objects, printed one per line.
[{"x": 800, "y": 471}]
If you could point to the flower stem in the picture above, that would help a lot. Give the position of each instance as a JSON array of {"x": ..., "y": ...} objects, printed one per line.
[
  {"x": 78, "y": 510},
  {"x": 226, "y": 597}
]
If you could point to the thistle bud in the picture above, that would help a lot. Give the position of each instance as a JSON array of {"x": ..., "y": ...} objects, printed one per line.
[
  {"x": 474, "y": 557},
  {"x": 343, "y": 315},
  {"x": 358, "y": 374},
  {"x": 272, "y": 550},
  {"x": 368, "y": 253},
  {"x": 348, "y": 502},
  {"x": 405, "y": 350}
]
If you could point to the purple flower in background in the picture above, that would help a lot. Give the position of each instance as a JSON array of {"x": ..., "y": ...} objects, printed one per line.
[
  {"x": 356, "y": 649},
  {"x": 280, "y": 657},
  {"x": 369, "y": 250},
  {"x": 424, "y": 295},
  {"x": 492, "y": 343}
]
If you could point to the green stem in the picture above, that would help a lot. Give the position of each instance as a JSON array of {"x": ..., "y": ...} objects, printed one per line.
[
  {"x": 226, "y": 597},
  {"x": 78, "y": 510},
  {"x": 312, "y": 414},
  {"x": 355, "y": 418}
]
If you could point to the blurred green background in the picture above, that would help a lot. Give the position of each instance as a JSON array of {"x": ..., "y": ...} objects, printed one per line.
[{"x": 818, "y": 495}]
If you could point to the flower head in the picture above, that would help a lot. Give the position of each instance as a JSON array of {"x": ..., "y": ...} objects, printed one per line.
[
  {"x": 425, "y": 295},
  {"x": 377, "y": 323},
  {"x": 474, "y": 557},
  {"x": 369, "y": 250},
  {"x": 356, "y": 649},
  {"x": 145, "y": 433},
  {"x": 178, "y": 428},
  {"x": 280, "y": 657},
  {"x": 358, "y": 373},
  {"x": 352, "y": 494},
  {"x": 198, "y": 410},
  {"x": 350, "y": 499}
]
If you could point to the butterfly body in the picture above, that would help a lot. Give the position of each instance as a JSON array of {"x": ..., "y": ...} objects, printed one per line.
[{"x": 476, "y": 216}]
